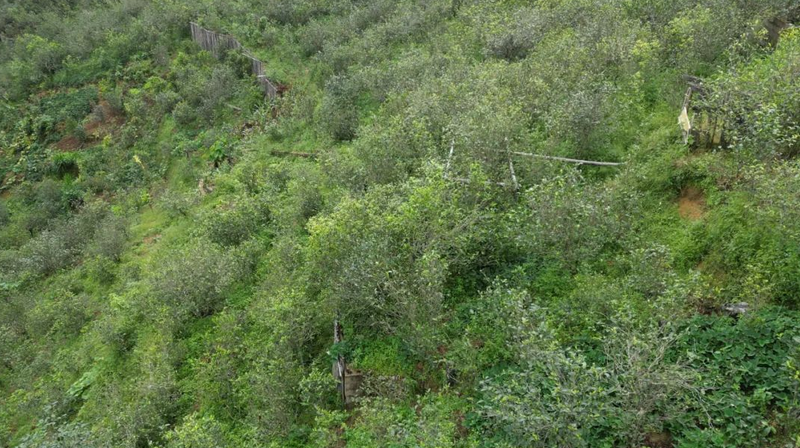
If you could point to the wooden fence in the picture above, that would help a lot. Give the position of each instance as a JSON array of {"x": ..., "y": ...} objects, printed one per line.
[{"x": 217, "y": 44}]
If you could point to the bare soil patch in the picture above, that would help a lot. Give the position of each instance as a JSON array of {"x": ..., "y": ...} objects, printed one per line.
[
  {"x": 69, "y": 143},
  {"x": 109, "y": 121},
  {"x": 152, "y": 238},
  {"x": 692, "y": 204}
]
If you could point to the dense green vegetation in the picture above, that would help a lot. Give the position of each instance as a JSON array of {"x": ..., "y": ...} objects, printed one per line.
[{"x": 174, "y": 247}]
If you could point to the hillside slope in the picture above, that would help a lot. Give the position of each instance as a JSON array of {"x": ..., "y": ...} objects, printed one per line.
[{"x": 495, "y": 203}]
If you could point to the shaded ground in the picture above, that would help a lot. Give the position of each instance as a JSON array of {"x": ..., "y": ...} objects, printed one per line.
[{"x": 659, "y": 440}]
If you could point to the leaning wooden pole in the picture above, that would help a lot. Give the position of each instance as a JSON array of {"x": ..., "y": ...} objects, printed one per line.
[
  {"x": 568, "y": 160},
  {"x": 511, "y": 167},
  {"x": 449, "y": 157}
]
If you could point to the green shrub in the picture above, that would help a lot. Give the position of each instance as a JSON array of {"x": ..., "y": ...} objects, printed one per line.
[
  {"x": 59, "y": 314},
  {"x": 746, "y": 366},
  {"x": 368, "y": 260},
  {"x": 184, "y": 114},
  {"x": 177, "y": 204},
  {"x": 50, "y": 434},
  {"x": 62, "y": 244},
  {"x": 573, "y": 222},
  {"x": 302, "y": 200},
  {"x": 231, "y": 224},
  {"x": 114, "y": 98},
  {"x": 13, "y": 235},
  {"x": 36, "y": 57},
  {"x": 317, "y": 34},
  {"x": 198, "y": 431},
  {"x": 73, "y": 105},
  {"x": 491, "y": 323},
  {"x": 100, "y": 270},
  {"x": 193, "y": 279},
  {"x": 110, "y": 237},
  {"x": 338, "y": 113},
  {"x": 758, "y": 119},
  {"x": 383, "y": 423},
  {"x": 517, "y": 39},
  {"x": 48, "y": 252},
  {"x": 135, "y": 408},
  {"x": 5, "y": 215},
  {"x": 48, "y": 201},
  {"x": 556, "y": 399},
  {"x": 270, "y": 388},
  {"x": 204, "y": 92},
  {"x": 289, "y": 12}
]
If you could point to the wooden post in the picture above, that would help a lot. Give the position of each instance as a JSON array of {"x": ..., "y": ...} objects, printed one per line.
[{"x": 339, "y": 367}]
